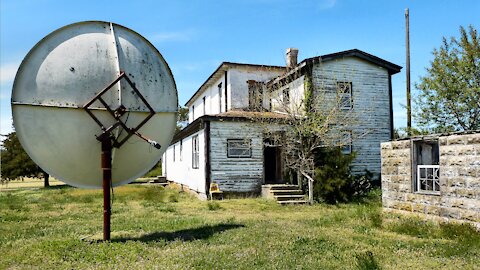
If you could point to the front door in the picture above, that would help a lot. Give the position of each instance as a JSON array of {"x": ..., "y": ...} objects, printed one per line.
[{"x": 272, "y": 164}]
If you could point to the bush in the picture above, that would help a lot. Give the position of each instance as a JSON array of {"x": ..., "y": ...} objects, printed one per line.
[{"x": 334, "y": 181}]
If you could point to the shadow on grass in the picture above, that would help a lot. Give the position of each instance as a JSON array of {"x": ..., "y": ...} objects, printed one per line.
[{"x": 203, "y": 232}]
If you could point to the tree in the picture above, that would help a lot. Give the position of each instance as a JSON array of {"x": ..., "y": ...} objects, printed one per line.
[
  {"x": 449, "y": 95},
  {"x": 182, "y": 118},
  {"x": 314, "y": 120},
  {"x": 16, "y": 163}
]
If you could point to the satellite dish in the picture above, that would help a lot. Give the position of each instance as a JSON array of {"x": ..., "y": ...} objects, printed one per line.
[{"x": 87, "y": 80}]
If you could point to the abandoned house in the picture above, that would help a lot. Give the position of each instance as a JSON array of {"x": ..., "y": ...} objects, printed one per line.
[
  {"x": 434, "y": 175},
  {"x": 222, "y": 145}
]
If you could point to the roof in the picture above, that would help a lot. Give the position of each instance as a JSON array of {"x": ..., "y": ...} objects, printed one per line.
[
  {"x": 224, "y": 66},
  {"x": 234, "y": 116},
  {"x": 299, "y": 69},
  {"x": 437, "y": 135},
  {"x": 391, "y": 67}
]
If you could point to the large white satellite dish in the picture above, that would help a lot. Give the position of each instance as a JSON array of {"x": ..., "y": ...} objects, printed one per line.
[
  {"x": 91, "y": 102},
  {"x": 67, "y": 69}
]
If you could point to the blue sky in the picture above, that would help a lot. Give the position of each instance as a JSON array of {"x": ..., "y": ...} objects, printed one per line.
[{"x": 196, "y": 36}]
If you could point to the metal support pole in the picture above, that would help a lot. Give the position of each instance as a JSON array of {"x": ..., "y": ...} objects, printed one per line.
[
  {"x": 107, "y": 182},
  {"x": 407, "y": 41}
]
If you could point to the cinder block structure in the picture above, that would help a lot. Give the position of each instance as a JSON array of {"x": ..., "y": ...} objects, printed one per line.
[{"x": 435, "y": 175}]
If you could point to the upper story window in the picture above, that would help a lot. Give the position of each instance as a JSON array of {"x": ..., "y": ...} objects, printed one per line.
[
  {"x": 193, "y": 113},
  {"x": 204, "y": 100},
  {"x": 220, "y": 97},
  {"x": 174, "y": 153},
  {"x": 255, "y": 95},
  {"x": 344, "y": 95},
  {"x": 239, "y": 148},
  {"x": 286, "y": 96}
]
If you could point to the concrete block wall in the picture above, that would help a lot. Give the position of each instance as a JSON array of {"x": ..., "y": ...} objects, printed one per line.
[{"x": 459, "y": 197}]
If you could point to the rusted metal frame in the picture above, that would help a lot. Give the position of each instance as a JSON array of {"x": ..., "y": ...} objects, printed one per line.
[
  {"x": 99, "y": 97},
  {"x": 132, "y": 131},
  {"x": 122, "y": 74},
  {"x": 106, "y": 106},
  {"x": 95, "y": 119}
]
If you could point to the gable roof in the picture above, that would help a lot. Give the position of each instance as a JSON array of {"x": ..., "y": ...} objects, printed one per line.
[
  {"x": 224, "y": 66},
  {"x": 301, "y": 68},
  {"x": 391, "y": 67}
]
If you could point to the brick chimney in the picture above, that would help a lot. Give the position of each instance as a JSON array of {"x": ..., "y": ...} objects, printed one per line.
[{"x": 291, "y": 54}]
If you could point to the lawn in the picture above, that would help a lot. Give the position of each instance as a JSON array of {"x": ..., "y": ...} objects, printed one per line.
[{"x": 156, "y": 228}]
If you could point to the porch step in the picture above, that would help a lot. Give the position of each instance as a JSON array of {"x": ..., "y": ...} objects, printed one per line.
[
  {"x": 281, "y": 187},
  {"x": 285, "y": 192},
  {"x": 281, "y": 198},
  {"x": 292, "y": 202}
]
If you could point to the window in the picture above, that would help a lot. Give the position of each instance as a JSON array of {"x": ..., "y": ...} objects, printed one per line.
[
  {"x": 255, "y": 95},
  {"x": 286, "y": 96},
  {"x": 346, "y": 143},
  {"x": 426, "y": 174},
  {"x": 220, "y": 98},
  {"x": 181, "y": 149},
  {"x": 239, "y": 148},
  {"x": 195, "y": 152},
  {"x": 204, "y": 105},
  {"x": 174, "y": 153},
  {"x": 344, "y": 95},
  {"x": 193, "y": 113}
]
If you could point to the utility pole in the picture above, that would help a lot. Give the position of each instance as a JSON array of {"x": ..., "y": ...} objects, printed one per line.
[{"x": 407, "y": 37}]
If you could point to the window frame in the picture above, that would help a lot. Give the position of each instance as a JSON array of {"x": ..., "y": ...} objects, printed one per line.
[
  {"x": 181, "y": 150},
  {"x": 195, "y": 152},
  {"x": 286, "y": 96},
  {"x": 434, "y": 177},
  {"x": 341, "y": 94},
  {"x": 220, "y": 97},
  {"x": 344, "y": 148},
  {"x": 249, "y": 148}
]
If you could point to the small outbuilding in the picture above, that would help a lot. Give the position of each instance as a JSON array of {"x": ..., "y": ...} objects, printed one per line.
[{"x": 435, "y": 175}]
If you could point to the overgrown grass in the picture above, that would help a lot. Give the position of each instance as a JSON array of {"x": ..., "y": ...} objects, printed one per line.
[{"x": 153, "y": 227}]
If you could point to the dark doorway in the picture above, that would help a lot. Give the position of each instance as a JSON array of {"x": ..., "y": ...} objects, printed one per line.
[{"x": 272, "y": 164}]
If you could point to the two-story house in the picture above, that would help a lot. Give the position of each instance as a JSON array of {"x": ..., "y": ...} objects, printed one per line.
[{"x": 222, "y": 145}]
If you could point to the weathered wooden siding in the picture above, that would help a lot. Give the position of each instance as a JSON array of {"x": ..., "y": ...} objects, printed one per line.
[
  {"x": 236, "y": 174},
  {"x": 180, "y": 170},
  {"x": 370, "y": 90},
  {"x": 238, "y": 96}
]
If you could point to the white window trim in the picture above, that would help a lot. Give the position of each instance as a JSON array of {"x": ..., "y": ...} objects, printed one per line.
[{"x": 435, "y": 179}]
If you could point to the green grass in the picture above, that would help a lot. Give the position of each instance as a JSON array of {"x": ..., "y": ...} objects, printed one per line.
[{"x": 156, "y": 228}]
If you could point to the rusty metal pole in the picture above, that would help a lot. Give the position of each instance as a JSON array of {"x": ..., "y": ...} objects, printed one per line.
[{"x": 107, "y": 182}]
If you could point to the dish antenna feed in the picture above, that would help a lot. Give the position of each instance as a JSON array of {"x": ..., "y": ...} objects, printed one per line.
[{"x": 89, "y": 88}]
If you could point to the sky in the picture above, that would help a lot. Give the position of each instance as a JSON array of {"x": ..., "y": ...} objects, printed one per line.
[{"x": 194, "y": 37}]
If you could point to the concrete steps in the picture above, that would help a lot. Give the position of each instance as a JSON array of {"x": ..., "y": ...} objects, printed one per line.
[{"x": 284, "y": 194}]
